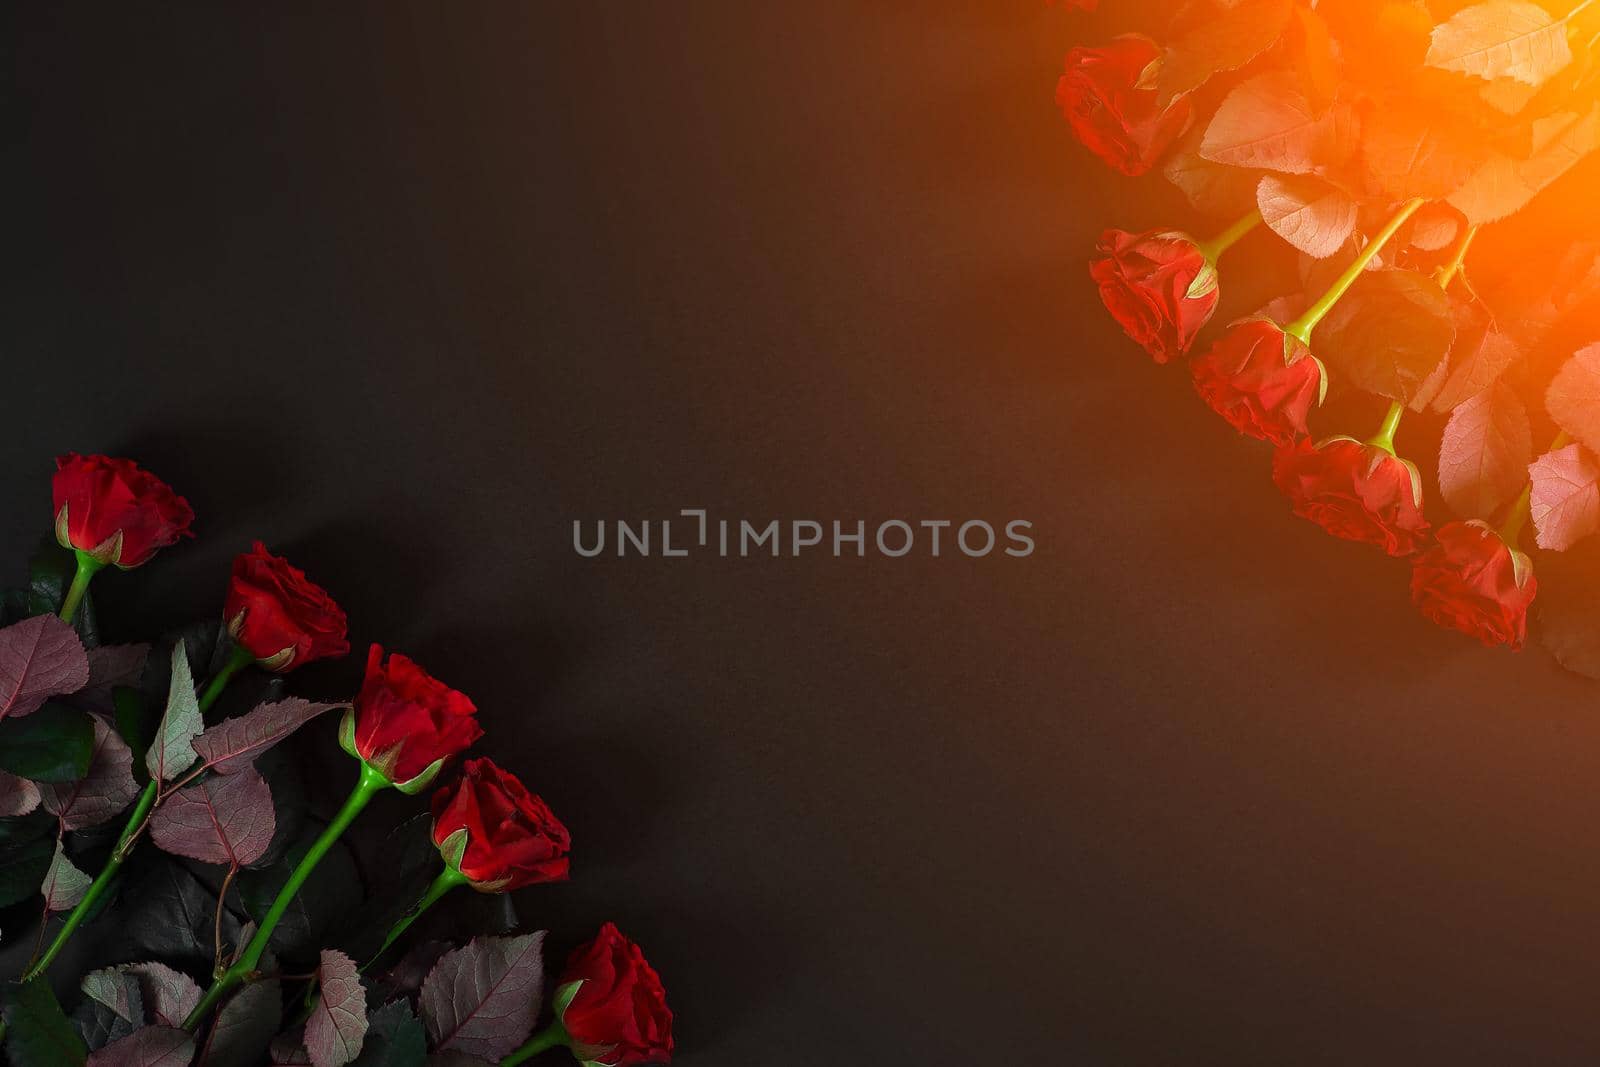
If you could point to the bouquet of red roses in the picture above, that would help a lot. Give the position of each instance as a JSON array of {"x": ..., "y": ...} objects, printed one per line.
[
  {"x": 1377, "y": 139},
  {"x": 143, "y": 794}
]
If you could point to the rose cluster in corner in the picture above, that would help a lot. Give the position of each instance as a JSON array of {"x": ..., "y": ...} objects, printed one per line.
[
  {"x": 1377, "y": 142},
  {"x": 91, "y": 732}
]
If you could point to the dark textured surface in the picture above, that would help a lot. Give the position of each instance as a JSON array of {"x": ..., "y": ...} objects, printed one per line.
[{"x": 405, "y": 293}]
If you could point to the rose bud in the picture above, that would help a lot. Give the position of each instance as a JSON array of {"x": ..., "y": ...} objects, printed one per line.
[
  {"x": 1356, "y": 491},
  {"x": 1263, "y": 380},
  {"x": 1113, "y": 109},
  {"x": 618, "y": 1015},
  {"x": 1472, "y": 580},
  {"x": 405, "y": 723},
  {"x": 115, "y": 512},
  {"x": 497, "y": 834},
  {"x": 279, "y": 615},
  {"x": 1160, "y": 287}
]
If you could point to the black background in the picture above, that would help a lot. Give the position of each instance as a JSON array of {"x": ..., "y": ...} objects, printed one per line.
[{"x": 404, "y": 290}]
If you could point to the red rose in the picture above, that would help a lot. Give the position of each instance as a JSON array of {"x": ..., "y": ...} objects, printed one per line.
[
  {"x": 405, "y": 720},
  {"x": 512, "y": 837},
  {"x": 115, "y": 511},
  {"x": 1110, "y": 108},
  {"x": 1160, "y": 287},
  {"x": 279, "y": 615},
  {"x": 1474, "y": 582},
  {"x": 1262, "y": 380},
  {"x": 1355, "y": 491},
  {"x": 619, "y": 1016}
]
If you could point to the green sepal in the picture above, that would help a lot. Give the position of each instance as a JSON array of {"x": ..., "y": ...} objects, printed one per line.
[
  {"x": 413, "y": 786},
  {"x": 563, "y": 998},
  {"x": 383, "y": 764},
  {"x": 347, "y": 732},
  {"x": 454, "y": 848}
]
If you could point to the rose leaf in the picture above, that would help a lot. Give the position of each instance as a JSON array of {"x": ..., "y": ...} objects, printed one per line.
[
  {"x": 1573, "y": 398},
  {"x": 224, "y": 818},
  {"x": 1267, "y": 122},
  {"x": 1310, "y": 214},
  {"x": 64, "y": 885},
  {"x": 172, "y": 751},
  {"x": 483, "y": 999},
  {"x": 40, "y": 658},
  {"x": 22, "y": 869},
  {"x": 230, "y": 745},
  {"x": 105, "y": 788},
  {"x": 153, "y": 1046},
  {"x": 1483, "y": 457},
  {"x": 1566, "y": 497},
  {"x": 18, "y": 796},
  {"x": 1504, "y": 184},
  {"x": 1211, "y": 36},
  {"x": 54, "y": 744},
  {"x": 394, "y": 1038},
  {"x": 1502, "y": 39},
  {"x": 246, "y": 1023},
  {"x": 37, "y": 1030},
  {"x": 1388, "y": 333},
  {"x": 338, "y": 1021}
]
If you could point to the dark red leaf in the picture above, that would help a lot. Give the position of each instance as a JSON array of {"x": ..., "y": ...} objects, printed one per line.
[
  {"x": 1573, "y": 398},
  {"x": 172, "y": 751},
  {"x": 1566, "y": 497},
  {"x": 18, "y": 796},
  {"x": 64, "y": 885},
  {"x": 1409, "y": 151},
  {"x": 1483, "y": 458},
  {"x": 1208, "y": 37},
  {"x": 1504, "y": 184},
  {"x": 232, "y": 744},
  {"x": 483, "y": 999},
  {"x": 1502, "y": 39},
  {"x": 40, "y": 658},
  {"x": 1306, "y": 211},
  {"x": 1388, "y": 334},
  {"x": 245, "y": 1025},
  {"x": 338, "y": 1021},
  {"x": 169, "y": 995},
  {"x": 104, "y": 791},
  {"x": 1268, "y": 123},
  {"x": 1480, "y": 354},
  {"x": 153, "y": 1046},
  {"x": 224, "y": 818}
]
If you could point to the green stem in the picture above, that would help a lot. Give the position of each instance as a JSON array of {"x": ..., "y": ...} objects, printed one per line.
[
  {"x": 1384, "y": 438},
  {"x": 548, "y": 1038},
  {"x": 141, "y": 811},
  {"x": 238, "y": 661},
  {"x": 448, "y": 879},
  {"x": 1303, "y": 326},
  {"x": 130, "y": 832},
  {"x": 1214, "y": 248},
  {"x": 367, "y": 786},
  {"x": 1517, "y": 517},
  {"x": 88, "y": 567},
  {"x": 1447, "y": 274}
]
